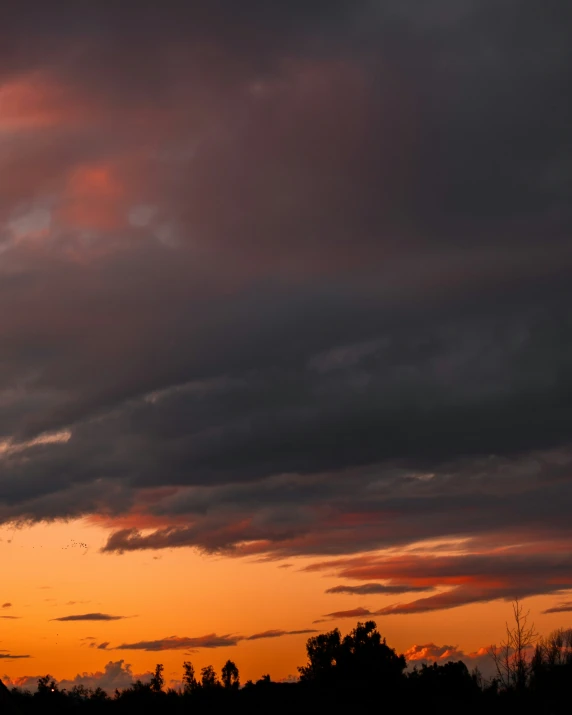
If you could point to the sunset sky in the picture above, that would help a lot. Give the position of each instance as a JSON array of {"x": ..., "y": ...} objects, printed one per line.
[{"x": 285, "y": 329}]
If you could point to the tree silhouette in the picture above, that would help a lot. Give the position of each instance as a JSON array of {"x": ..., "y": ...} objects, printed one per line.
[
  {"x": 230, "y": 677},
  {"x": 450, "y": 679},
  {"x": 323, "y": 652},
  {"x": 6, "y": 700},
  {"x": 47, "y": 685},
  {"x": 511, "y": 657},
  {"x": 98, "y": 694},
  {"x": 157, "y": 681},
  {"x": 555, "y": 650},
  {"x": 357, "y": 672},
  {"x": 551, "y": 668},
  {"x": 361, "y": 656},
  {"x": 208, "y": 677},
  {"x": 189, "y": 680}
]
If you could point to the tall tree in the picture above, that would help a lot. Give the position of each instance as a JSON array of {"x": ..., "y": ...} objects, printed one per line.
[
  {"x": 511, "y": 658},
  {"x": 157, "y": 681},
  {"x": 361, "y": 656},
  {"x": 230, "y": 676},
  {"x": 189, "y": 680},
  {"x": 47, "y": 684},
  {"x": 323, "y": 651},
  {"x": 208, "y": 677}
]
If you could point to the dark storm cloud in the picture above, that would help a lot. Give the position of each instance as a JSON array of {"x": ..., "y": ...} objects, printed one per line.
[
  {"x": 287, "y": 278},
  {"x": 89, "y": 617},
  {"x": 378, "y": 506}
]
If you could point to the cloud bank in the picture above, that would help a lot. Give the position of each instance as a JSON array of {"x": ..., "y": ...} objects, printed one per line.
[{"x": 268, "y": 296}]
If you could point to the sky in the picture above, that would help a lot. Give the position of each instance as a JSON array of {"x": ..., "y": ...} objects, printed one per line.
[{"x": 285, "y": 329}]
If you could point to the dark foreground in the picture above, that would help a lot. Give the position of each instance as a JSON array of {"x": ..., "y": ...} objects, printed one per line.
[{"x": 355, "y": 673}]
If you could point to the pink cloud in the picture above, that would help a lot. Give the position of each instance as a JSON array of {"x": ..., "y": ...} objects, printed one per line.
[{"x": 432, "y": 652}]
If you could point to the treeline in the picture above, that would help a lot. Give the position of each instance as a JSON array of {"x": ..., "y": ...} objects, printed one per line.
[{"x": 343, "y": 674}]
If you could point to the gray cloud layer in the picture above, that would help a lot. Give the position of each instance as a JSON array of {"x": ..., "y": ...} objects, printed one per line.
[{"x": 288, "y": 280}]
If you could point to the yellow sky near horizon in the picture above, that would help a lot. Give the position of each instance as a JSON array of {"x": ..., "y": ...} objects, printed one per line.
[{"x": 47, "y": 574}]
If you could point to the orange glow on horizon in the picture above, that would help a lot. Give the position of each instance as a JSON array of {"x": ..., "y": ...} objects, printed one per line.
[{"x": 179, "y": 592}]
